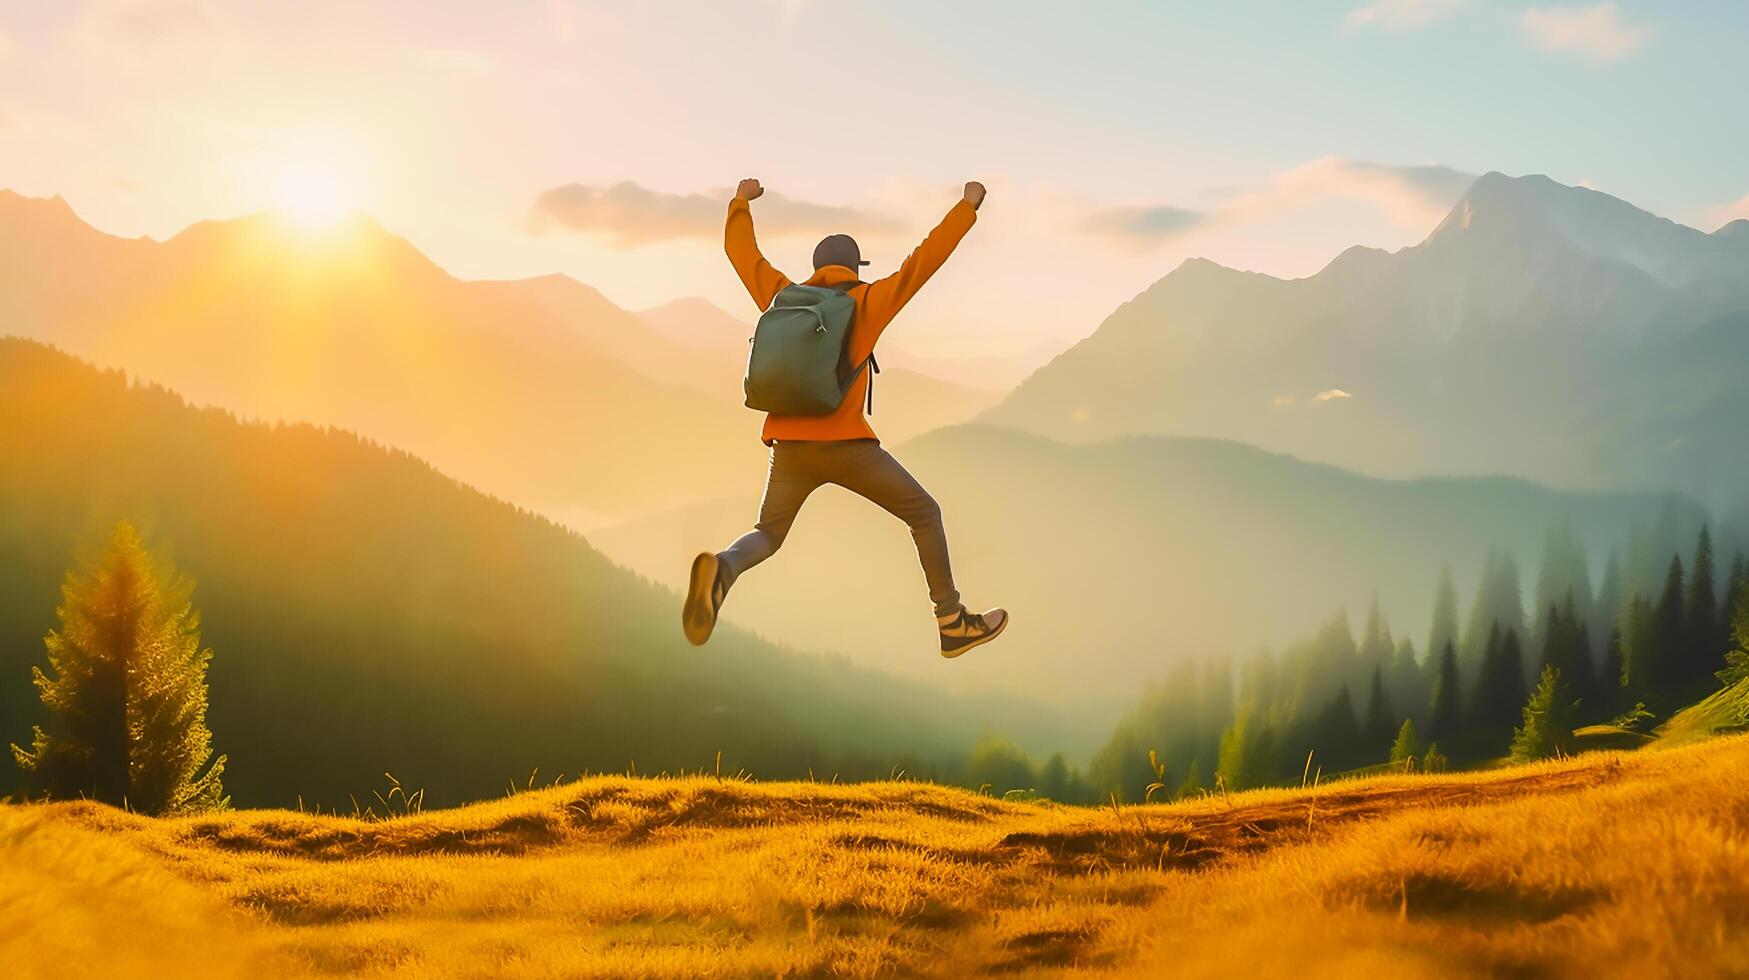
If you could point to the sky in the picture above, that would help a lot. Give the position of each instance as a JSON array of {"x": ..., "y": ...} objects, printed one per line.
[{"x": 601, "y": 139}]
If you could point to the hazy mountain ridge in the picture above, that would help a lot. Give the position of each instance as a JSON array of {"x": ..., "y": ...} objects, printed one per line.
[
  {"x": 370, "y": 613},
  {"x": 1501, "y": 343},
  {"x": 354, "y": 327},
  {"x": 1120, "y": 558}
]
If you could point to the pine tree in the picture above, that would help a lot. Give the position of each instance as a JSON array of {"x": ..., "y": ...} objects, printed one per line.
[
  {"x": 1498, "y": 604},
  {"x": 1407, "y": 746},
  {"x": 1615, "y": 669},
  {"x": 1564, "y": 572},
  {"x": 1248, "y": 753},
  {"x": 1376, "y": 646},
  {"x": 1378, "y": 724},
  {"x": 1445, "y": 615},
  {"x": 1192, "y": 785},
  {"x": 1736, "y": 667},
  {"x": 1053, "y": 779},
  {"x": 1611, "y": 602},
  {"x": 1337, "y": 737},
  {"x": 1736, "y": 587},
  {"x": 1609, "y": 686},
  {"x": 1639, "y": 651},
  {"x": 1500, "y": 687},
  {"x": 1567, "y": 648},
  {"x": 1668, "y": 671},
  {"x": 1702, "y": 615},
  {"x": 1433, "y": 760},
  {"x": 1548, "y": 720},
  {"x": 1445, "y": 712},
  {"x": 1408, "y": 686},
  {"x": 128, "y": 691}
]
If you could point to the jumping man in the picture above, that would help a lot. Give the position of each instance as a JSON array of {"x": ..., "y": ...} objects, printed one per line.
[{"x": 808, "y": 451}]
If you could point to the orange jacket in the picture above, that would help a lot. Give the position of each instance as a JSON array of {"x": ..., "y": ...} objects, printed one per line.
[{"x": 876, "y": 304}]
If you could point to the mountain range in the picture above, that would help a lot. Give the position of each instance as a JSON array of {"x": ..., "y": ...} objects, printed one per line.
[
  {"x": 1544, "y": 331},
  {"x": 368, "y": 613},
  {"x": 354, "y": 327},
  {"x": 1120, "y": 557}
]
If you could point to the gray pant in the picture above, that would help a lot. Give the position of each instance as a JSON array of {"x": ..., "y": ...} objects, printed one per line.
[{"x": 864, "y": 468}]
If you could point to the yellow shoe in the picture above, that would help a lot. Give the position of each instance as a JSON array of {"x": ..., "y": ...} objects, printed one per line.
[{"x": 704, "y": 596}]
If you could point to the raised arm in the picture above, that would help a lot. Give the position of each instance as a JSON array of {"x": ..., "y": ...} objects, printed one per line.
[
  {"x": 762, "y": 281},
  {"x": 887, "y": 296}
]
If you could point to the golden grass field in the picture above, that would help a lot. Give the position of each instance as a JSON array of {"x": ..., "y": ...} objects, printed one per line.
[{"x": 1611, "y": 864}]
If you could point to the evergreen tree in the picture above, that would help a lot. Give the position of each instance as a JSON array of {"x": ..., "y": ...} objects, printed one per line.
[
  {"x": 1609, "y": 685},
  {"x": 1611, "y": 603},
  {"x": 1736, "y": 586},
  {"x": 1408, "y": 685},
  {"x": 1407, "y": 746},
  {"x": 998, "y": 766},
  {"x": 1548, "y": 720},
  {"x": 1564, "y": 572},
  {"x": 1248, "y": 753},
  {"x": 1192, "y": 785},
  {"x": 1337, "y": 736},
  {"x": 1379, "y": 724},
  {"x": 1433, "y": 760},
  {"x": 1445, "y": 615},
  {"x": 1445, "y": 712},
  {"x": 1498, "y": 604},
  {"x": 128, "y": 690},
  {"x": 1376, "y": 646},
  {"x": 1500, "y": 687},
  {"x": 1737, "y": 661},
  {"x": 1670, "y": 633},
  {"x": 1567, "y": 648},
  {"x": 1705, "y": 653},
  {"x": 1054, "y": 779},
  {"x": 1639, "y": 651}
]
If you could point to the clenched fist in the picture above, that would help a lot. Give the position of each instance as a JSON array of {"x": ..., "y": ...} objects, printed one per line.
[
  {"x": 750, "y": 189},
  {"x": 974, "y": 194}
]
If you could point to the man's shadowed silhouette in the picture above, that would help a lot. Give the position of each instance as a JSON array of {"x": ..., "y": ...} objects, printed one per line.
[{"x": 839, "y": 446}]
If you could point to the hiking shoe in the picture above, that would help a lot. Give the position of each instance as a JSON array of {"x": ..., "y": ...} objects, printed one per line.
[
  {"x": 704, "y": 596},
  {"x": 968, "y": 629}
]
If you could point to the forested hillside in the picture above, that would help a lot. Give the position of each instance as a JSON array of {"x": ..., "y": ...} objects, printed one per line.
[{"x": 368, "y": 613}]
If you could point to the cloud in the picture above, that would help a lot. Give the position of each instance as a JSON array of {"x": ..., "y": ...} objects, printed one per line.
[
  {"x": 1146, "y": 224},
  {"x": 630, "y": 215},
  {"x": 1401, "y": 15},
  {"x": 1597, "y": 32},
  {"x": 1412, "y": 195},
  {"x": 1331, "y": 395},
  {"x": 1415, "y": 197}
]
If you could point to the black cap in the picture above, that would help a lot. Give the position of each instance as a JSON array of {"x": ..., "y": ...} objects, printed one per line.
[{"x": 837, "y": 250}]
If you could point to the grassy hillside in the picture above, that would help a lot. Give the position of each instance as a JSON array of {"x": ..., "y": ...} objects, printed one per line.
[
  {"x": 1119, "y": 558},
  {"x": 1606, "y": 865},
  {"x": 1725, "y": 710},
  {"x": 370, "y": 614}
]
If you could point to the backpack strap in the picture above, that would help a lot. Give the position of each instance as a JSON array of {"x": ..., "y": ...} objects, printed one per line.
[
  {"x": 871, "y": 365},
  {"x": 874, "y": 369}
]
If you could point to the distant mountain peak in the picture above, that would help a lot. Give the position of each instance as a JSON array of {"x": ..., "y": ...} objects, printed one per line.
[
  {"x": 1535, "y": 215},
  {"x": 1734, "y": 230}
]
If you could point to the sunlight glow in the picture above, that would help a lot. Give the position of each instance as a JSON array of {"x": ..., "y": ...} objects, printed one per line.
[{"x": 312, "y": 198}]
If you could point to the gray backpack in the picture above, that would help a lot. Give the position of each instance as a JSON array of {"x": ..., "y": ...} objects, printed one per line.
[{"x": 800, "y": 360}]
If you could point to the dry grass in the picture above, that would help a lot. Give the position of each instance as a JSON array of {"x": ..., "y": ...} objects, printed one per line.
[{"x": 1610, "y": 864}]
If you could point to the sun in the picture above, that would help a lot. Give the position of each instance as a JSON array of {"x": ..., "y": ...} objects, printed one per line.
[{"x": 313, "y": 198}]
